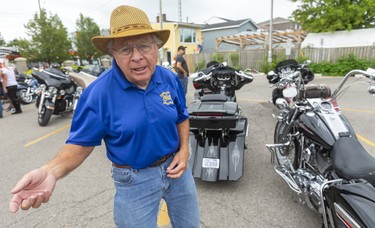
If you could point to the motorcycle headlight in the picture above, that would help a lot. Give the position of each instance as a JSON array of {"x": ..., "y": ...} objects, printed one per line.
[
  {"x": 43, "y": 86},
  {"x": 62, "y": 92},
  {"x": 79, "y": 89},
  {"x": 52, "y": 89}
]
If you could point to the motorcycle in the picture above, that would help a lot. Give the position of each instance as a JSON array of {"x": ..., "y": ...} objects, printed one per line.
[
  {"x": 283, "y": 71},
  {"x": 317, "y": 153},
  {"x": 26, "y": 88},
  {"x": 217, "y": 128},
  {"x": 57, "y": 94}
]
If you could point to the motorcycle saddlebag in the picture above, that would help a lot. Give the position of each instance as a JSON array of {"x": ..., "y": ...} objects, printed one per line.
[
  {"x": 213, "y": 114},
  {"x": 316, "y": 91}
]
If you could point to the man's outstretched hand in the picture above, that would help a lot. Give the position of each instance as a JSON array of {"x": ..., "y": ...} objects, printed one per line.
[{"x": 32, "y": 190}]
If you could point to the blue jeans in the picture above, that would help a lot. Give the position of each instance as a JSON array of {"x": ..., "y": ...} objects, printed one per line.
[
  {"x": 184, "y": 82},
  {"x": 138, "y": 195}
]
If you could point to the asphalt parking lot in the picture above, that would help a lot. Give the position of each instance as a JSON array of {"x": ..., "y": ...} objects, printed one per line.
[{"x": 85, "y": 198}]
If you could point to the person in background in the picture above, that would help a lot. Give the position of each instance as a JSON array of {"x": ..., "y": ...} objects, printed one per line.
[
  {"x": 10, "y": 86},
  {"x": 182, "y": 68},
  {"x": 1, "y": 96},
  {"x": 138, "y": 108}
]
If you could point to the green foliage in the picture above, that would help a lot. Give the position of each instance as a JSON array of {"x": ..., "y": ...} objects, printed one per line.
[
  {"x": 334, "y": 15},
  {"x": 265, "y": 67},
  {"x": 2, "y": 41},
  {"x": 201, "y": 65},
  {"x": 22, "y": 45},
  {"x": 343, "y": 66},
  {"x": 86, "y": 28},
  {"x": 235, "y": 59},
  {"x": 218, "y": 57},
  {"x": 28, "y": 72},
  {"x": 49, "y": 39}
]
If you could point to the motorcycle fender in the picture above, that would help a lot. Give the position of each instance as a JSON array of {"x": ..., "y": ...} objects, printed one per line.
[
  {"x": 353, "y": 202},
  {"x": 49, "y": 104},
  {"x": 211, "y": 159},
  {"x": 20, "y": 86}
]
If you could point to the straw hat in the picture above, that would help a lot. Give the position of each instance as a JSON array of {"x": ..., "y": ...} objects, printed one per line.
[{"x": 127, "y": 21}]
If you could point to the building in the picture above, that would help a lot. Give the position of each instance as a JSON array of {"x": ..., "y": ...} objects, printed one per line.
[
  {"x": 279, "y": 24},
  {"x": 185, "y": 34},
  {"x": 211, "y": 32}
]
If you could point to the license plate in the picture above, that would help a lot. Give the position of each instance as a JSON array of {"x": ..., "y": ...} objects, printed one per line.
[{"x": 211, "y": 163}]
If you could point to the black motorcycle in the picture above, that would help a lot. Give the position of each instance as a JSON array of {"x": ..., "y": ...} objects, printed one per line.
[
  {"x": 217, "y": 128},
  {"x": 57, "y": 94},
  {"x": 317, "y": 153},
  {"x": 280, "y": 76}
]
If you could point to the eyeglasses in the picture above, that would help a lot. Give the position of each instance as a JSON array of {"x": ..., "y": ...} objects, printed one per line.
[{"x": 142, "y": 48}]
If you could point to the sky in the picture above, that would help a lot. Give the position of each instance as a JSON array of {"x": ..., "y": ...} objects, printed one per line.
[{"x": 14, "y": 14}]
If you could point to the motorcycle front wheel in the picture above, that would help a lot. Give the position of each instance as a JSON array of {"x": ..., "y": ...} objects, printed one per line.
[
  {"x": 287, "y": 155},
  {"x": 24, "y": 99},
  {"x": 44, "y": 116}
]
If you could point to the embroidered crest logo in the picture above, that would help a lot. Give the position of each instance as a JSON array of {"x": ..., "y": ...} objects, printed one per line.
[{"x": 167, "y": 99}]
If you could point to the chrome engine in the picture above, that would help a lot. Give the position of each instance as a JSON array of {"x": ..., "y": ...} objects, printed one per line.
[{"x": 307, "y": 182}]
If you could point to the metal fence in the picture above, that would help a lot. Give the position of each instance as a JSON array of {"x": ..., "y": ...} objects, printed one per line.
[{"x": 255, "y": 58}]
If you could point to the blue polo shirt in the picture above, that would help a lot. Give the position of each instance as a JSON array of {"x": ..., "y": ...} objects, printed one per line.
[{"x": 138, "y": 126}]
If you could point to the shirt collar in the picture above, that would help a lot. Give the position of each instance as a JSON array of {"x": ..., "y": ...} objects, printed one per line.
[{"x": 125, "y": 84}]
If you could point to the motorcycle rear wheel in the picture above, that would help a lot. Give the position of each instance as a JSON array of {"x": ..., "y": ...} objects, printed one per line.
[
  {"x": 44, "y": 116},
  {"x": 288, "y": 154}
]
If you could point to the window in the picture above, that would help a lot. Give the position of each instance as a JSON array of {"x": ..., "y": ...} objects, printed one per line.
[{"x": 188, "y": 35}]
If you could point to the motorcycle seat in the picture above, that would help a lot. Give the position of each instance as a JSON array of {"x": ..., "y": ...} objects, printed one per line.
[
  {"x": 351, "y": 160},
  {"x": 214, "y": 97}
]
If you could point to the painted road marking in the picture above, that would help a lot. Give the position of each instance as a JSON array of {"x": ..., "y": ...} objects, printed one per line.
[
  {"x": 163, "y": 218},
  {"x": 365, "y": 140},
  {"x": 46, "y": 136}
]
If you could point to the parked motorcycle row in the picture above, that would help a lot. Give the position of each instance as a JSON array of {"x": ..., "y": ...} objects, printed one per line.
[
  {"x": 315, "y": 148},
  {"x": 55, "y": 92}
]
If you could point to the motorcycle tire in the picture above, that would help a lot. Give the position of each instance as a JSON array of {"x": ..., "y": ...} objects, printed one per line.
[
  {"x": 291, "y": 152},
  {"x": 44, "y": 116},
  {"x": 23, "y": 98}
]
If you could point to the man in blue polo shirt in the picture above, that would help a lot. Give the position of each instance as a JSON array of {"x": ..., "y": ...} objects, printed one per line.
[{"x": 139, "y": 110}]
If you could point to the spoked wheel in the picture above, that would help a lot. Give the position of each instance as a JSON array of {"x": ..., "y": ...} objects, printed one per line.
[
  {"x": 288, "y": 154},
  {"x": 44, "y": 116}
]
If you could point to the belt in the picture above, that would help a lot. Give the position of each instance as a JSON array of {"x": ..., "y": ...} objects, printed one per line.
[{"x": 157, "y": 163}]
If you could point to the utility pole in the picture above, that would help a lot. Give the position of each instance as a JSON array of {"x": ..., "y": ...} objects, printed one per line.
[
  {"x": 161, "y": 51},
  {"x": 270, "y": 36},
  {"x": 179, "y": 11},
  {"x": 40, "y": 9}
]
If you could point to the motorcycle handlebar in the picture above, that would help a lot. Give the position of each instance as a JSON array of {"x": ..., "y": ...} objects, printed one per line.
[
  {"x": 244, "y": 75},
  {"x": 370, "y": 75},
  {"x": 203, "y": 76}
]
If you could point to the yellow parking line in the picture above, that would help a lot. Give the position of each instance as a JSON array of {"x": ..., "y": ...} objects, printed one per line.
[
  {"x": 365, "y": 140},
  {"x": 163, "y": 218},
  {"x": 358, "y": 110},
  {"x": 46, "y": 136}
]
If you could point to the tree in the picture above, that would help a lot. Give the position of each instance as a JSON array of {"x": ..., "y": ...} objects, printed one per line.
[
  {"x": 86, "y": 28},
  {"x": 22, "y": 46},
  {"x": 2, "y": 41},
  {"x": 49, "y": 39},
  {"x": 334, "y": 15}
]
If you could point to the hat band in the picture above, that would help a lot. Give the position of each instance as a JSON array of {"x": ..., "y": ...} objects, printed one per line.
[{"x": 129, "y": 27}]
